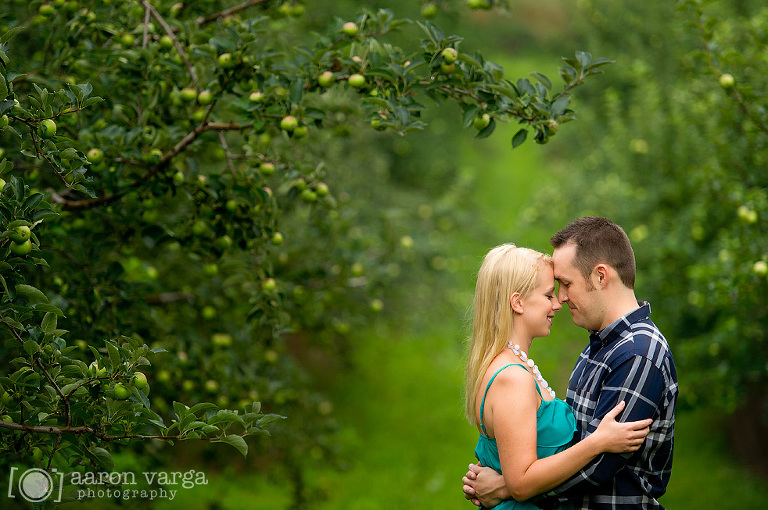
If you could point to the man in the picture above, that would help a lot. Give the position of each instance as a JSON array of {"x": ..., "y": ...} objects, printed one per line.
[{"x": 627, "y": 359}]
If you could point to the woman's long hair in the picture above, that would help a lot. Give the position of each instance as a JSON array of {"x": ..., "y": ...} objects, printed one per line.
[{"x": 506, "y": 269}]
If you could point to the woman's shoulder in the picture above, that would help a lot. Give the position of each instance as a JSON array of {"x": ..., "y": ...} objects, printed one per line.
[{"x": 508, "y": 374}]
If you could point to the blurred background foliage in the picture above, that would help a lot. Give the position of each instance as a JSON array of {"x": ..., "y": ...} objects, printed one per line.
[{"x": 366, "y": 360}]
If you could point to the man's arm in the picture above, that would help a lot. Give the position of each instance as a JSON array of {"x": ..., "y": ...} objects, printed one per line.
[{"x": 641, "y": 386}]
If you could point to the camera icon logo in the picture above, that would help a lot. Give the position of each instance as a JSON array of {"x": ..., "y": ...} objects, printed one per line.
[{"x": 34, "y": 485}]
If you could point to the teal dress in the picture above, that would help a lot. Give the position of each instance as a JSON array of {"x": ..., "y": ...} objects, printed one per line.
[{"x": 555, "y": 426}]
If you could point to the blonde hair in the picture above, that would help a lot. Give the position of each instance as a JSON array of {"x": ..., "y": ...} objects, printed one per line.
[{"x": 506, "y": 269}]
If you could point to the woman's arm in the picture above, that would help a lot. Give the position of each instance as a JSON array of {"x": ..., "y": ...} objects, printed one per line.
[{"x": 513, "y": 404}]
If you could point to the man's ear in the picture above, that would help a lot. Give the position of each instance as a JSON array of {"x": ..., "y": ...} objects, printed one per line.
[
  {"x": 515, "y": 301},
  {"x": 600, "y": 275}
]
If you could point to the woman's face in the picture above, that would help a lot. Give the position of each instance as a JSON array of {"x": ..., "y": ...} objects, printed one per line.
[{"x": 539, "y": 306}]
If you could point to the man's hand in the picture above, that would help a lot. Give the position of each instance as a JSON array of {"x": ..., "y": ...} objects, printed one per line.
[{"x": 484, "y": 486}]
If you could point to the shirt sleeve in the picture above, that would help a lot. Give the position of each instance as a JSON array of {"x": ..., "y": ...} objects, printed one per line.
[{"x": 640, "y": 384}]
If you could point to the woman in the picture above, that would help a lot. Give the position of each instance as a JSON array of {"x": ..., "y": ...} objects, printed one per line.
[{"x": 525, "y": 432}]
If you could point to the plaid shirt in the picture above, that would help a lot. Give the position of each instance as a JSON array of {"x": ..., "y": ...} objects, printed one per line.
[{"x": 629, "y": 360}]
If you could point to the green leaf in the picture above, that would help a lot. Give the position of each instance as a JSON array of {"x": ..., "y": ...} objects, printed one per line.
[
  {"x": 103, "y": 457},
  {"x": 8, "y": 34},
  {"x": 519, "y": 138},
  {"x": 32, "y": 294},
  {"x": 584, "y": 58},
  {"x": 543, "y": 79},
  {"x": 114, "y": 356},
  {"x": 269, "y": 418},
  {"x": 558, "y": 107},
  {"x": 31, "y": 347},
  {"x": 3, "y": 87},
  {"x": 201, "y": 407},
  {"x": 225, "y": 417},
  {"x": 236, "y": 441},
  {"x": 49, "y": 322}
]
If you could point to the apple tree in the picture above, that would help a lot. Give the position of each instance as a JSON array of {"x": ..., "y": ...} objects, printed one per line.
[{"x": 179, "y": 211}]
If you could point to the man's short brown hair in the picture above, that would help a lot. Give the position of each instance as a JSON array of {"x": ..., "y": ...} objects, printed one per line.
[{"x": 598, "y": 240}]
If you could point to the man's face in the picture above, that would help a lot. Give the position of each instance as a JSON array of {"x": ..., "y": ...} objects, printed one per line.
[{"x": 575, "y": 291}]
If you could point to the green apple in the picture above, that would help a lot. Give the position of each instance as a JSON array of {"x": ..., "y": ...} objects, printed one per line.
[
  {"x": 300, "y": 132},
  {"x": 376, "y": 305},
  {"x": 46, "y": 10},
  {"x": 226, "y": 60},
  {"x": 256, "y": 97},
  {"x": 481, "y": 121},
  {"x": 95, "y": 156},
  {"x": 479, "y": 4},
  {"x": 268, "y": 284},
  {"x": 224, "y": 242},
  {"x": 166, "y": 42},
  {"x": 429, "y": 10},
  {"x": 325, "y": 79},
  {"x": 447, "y": 68},
  {"x": 208, "y": 312},
  {"x": 20, "y": 234},
  {"x": 289, "y": 123},
  {"x": 271, "y": 355},
  {"x": 267, "y": 168},
  {"x": 760, "y": 268},
  {"x": 205, "y": 97},
  {"x": 221, "y": 339},
  {"x": 726, "y": 80},
  {"x": 356, "y": 80},
  {"x": 277, "y": 238},
  {"x": 308, "y": 196},
  {"x": 127, "y": 40},
  {"x": 210, "y": 269},
  {"x": 211, "y": 386},
  {"x": 188, "y": 94},
  {"x": 350, "y": 28},
  {"x": 37, "y": 454},
  {"x": 21, "y": 249},
  {"x": 139, "y": 380},
  {"x": 746, "y": 214},
  {"x": 450, "y": 55},
  {"x": 121, "y": 392},
  {"x": 179, "y": 178},
  {"x": 4, "y": 121},
  {"x": 47, "y": 128},
  {"x": 321, "y": 189},
  {"x": 2, "y": 183},
  {"x": 153, "y": 157}
]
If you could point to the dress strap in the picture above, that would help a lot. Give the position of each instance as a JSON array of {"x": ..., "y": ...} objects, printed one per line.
[{"x": 482, "y": 405}]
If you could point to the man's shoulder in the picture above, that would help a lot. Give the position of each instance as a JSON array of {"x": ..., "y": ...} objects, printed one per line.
[{"x": 642, "y": 338}]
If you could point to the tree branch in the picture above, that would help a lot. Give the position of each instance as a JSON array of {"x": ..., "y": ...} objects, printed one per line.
[
  {"x": 228, "y": 12},
  {"x": 172, "y": 34}
]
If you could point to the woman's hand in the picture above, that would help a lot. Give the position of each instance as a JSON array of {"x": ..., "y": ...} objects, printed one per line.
[{"x": 616, "y": 437}]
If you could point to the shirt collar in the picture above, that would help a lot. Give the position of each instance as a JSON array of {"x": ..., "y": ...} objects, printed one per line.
[{"x": 608, "y": 334}]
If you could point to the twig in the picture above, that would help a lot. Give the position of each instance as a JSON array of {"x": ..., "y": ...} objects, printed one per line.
[
  {"x": 229, "y": 12},
  {"x": 172, "y": 34},
  {"x": 224, "y": 146}
]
